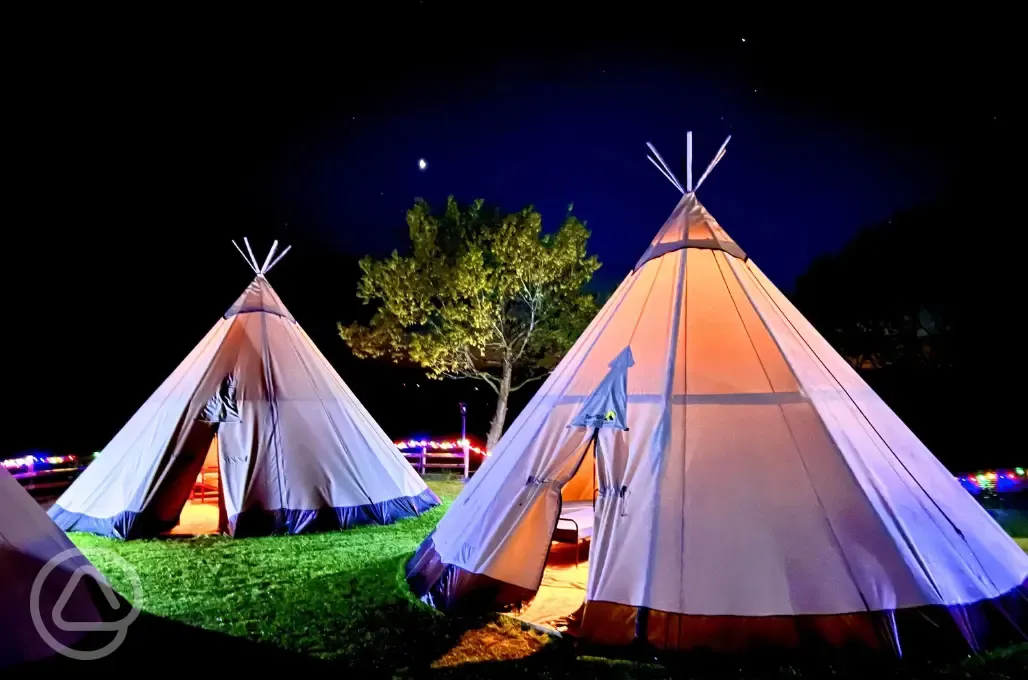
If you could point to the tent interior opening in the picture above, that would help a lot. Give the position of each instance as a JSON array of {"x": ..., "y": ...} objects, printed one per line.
[
  {"x": 562, "y": 589},
  {"x": 202, "y": 513}
]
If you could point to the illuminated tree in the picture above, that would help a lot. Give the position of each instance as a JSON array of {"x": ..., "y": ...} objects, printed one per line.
[{"x": 482, "y": 295}]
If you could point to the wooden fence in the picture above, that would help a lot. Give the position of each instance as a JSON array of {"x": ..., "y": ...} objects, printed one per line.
[
  {"x": 424, "y": 460},
  {"x": 48, "y": 483}
]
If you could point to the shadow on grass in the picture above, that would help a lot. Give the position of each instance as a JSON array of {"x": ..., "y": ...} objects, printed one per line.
[
  {"x": 565, "y": 659},
  {"x": 161, "y": 644},
  {"x": 150, "y": 642},
  {"x": 372, "y": 646}
]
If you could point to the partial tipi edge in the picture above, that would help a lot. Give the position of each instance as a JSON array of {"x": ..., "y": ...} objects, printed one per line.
[{"x": 251, "y": 261}]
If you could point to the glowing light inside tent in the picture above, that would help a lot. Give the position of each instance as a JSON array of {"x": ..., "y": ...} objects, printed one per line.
[{"x": 445, "y": 445}]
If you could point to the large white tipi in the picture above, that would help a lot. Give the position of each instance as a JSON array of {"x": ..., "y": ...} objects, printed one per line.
[
  {"x": 293, "y": 448},
  {"x": 47, "y": 600},
  {"x": 749, "y": 489}
]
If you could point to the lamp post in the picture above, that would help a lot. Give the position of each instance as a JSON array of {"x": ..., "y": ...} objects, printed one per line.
[{"x": 464, "y": 436}]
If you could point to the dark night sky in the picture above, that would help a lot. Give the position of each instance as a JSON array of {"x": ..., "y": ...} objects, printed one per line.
[{"x": 137, "y": 159}]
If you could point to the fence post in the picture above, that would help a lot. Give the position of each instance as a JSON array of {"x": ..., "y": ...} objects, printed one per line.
[
  {"x": 464, "y": 437},
  {"x": 421, "y": 464}
]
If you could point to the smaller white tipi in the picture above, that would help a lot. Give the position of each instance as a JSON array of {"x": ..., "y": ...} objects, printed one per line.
[
  {"x": 29, "y": 541},
  {"x": 289, "y": 446}
]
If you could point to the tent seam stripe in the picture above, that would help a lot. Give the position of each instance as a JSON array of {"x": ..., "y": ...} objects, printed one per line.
[
  {"x": 321, "y": 401},
  {"x": 276, "y": 431},
  {"x": 824, "y": 510},
  {"x": 906, "y": 539},
  {"x": 894, "y": 456}
]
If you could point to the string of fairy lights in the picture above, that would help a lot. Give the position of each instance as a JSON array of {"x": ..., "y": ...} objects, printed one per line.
[
  {"x": 1014, "y": 479},
  {"x": 1001, "y": 480},
  {"x": 30, "y": 462},
  {"x": 443, "y": 445},
  {"x": 34, "y": 461}
]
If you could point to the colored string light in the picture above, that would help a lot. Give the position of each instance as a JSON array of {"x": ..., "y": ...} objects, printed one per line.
[
  {"x": 439, "y": 445},
  {"x": 998, "y": 481},
  {"x": 31, "y": 461}
]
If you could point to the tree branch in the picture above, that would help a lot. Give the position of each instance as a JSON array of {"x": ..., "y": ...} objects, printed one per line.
[
  {"x": 529, "y": 331},
  {"x": 528, "y": 380},
  {"x": 490, "y": 380}
]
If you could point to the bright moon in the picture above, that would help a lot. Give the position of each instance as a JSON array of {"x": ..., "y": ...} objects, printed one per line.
[{"x": 422, "y": 164}]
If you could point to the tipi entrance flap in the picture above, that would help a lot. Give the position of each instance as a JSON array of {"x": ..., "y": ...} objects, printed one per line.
[
  {"x": 222, "y": 407},
  {"x": 513, "y": 546},
  {"x": 576, "y": 560}
]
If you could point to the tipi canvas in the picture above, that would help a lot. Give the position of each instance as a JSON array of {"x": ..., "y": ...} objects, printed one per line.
[
  {"x": 38, "y": 564},
  {"x": 295, "y": 450},
  {"x": 749, "y": 489}
]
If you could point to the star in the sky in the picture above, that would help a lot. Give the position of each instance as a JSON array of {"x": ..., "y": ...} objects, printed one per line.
[{"x": 422, "y": 164}]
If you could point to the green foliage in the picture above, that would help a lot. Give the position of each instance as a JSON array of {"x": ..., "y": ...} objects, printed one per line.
[{"x": 479, "y": 291}]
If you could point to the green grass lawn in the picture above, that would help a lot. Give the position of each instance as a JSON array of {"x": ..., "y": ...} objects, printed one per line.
[{"x": 341, "y": 599}]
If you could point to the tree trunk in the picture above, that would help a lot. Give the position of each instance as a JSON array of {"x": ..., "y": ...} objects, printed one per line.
[{"x": 500, "y": 417}]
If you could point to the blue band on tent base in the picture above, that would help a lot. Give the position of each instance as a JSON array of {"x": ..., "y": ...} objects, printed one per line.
[
  {"x": 255, "y": 522},
  {"x": 124, "y": 525},
  {"x": 452, "y": 589},
  {"x": 259, "y": 522}
]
